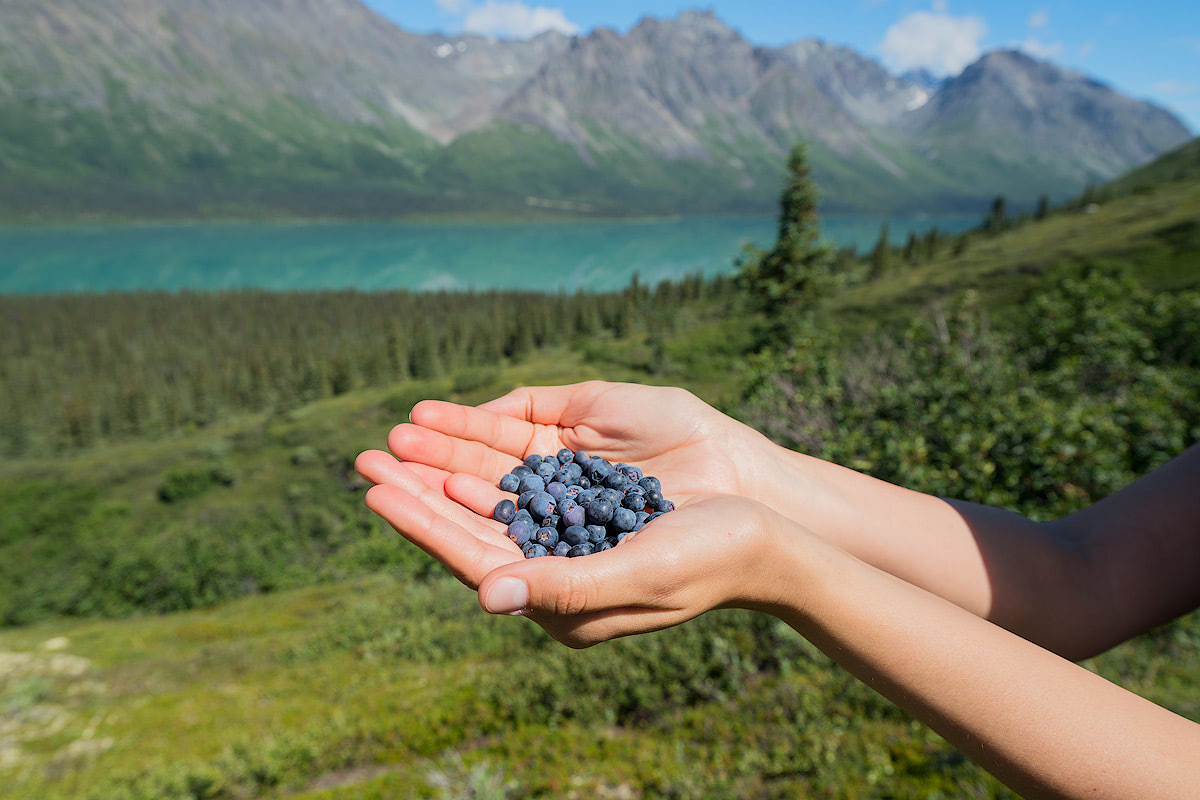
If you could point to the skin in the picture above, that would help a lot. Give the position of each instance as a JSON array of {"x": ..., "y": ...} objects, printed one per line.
[{"x": 936, "y": 604}]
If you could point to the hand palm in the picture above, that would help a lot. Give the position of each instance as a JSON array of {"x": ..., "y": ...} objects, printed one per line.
[{"x": 666, "y": 432}]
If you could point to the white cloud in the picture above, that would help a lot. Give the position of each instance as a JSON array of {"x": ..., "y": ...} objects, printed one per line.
[
  {"x": 1038, "y": 19},
  {"x": 508, "y": 19},
  {"x": 939, "y": 6},
  {"x": 1175, "y": 87},
  {"x": 1039, "y": 49},
  {"x": 938, "y": 42}
]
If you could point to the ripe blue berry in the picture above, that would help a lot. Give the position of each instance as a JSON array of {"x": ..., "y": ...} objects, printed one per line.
[
  {"x": 585, "y": 549},
  {"x": 547, "y": 537},
  {"x": 561, "y": 549},
  {"x": 575, "y": 534},
  {"x": 505, "y": 511},
  {"x": 565, "y": 455},
  {"x": 599, "y": 511},
  {"x": 531, "y": 483},
  {"x": 541, "y": 505},
  {"x": 520, "y": 532},
  {"x": 623, "y": 520},
  {"x": 534, "y": 550},
  {"x": 510, "y": 482}
]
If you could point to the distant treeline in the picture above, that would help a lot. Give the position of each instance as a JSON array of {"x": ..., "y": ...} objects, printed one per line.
[{"x": 77, "y": 370}]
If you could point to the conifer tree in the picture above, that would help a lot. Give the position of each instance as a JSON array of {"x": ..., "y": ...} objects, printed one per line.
[
  {"x": 796, "y": 270},
  {"x": 881, "y": 252}
]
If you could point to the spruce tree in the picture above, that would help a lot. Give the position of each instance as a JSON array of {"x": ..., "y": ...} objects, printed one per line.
[
  {"x": 881, "y": 252},
  {"x": 788, "y": 277}
]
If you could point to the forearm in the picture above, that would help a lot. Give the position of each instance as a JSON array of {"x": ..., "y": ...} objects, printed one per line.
[
  {"x": 1043, "y": 725},
  {"x": 994, "y": 563}
]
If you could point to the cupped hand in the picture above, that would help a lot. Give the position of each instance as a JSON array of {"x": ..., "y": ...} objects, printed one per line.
[
  {"x": 667, "y": 432},
  {"x": 713, "y": 552}
]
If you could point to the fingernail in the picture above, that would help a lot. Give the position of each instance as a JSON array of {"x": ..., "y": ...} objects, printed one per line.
[{"x": 507, "y": 596}]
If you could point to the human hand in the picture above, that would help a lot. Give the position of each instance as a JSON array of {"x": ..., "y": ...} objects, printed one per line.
[
  {"x": 712, "y": 552},
  {"x": 666, "y": 432}
]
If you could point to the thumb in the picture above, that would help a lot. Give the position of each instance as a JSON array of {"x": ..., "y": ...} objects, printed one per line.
[{"x": 564, "y": 587}]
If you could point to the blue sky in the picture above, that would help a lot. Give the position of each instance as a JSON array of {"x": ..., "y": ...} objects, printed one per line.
[{"x": 1149, "y": 49}]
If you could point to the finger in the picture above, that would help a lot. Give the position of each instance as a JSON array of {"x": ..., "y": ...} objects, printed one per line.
[
  {"x": 476, "y": 494},
  {"x": 465, "y": 555},
  {"x": 562, "y": 587},
  {"x": 421, "y": 483},
  {"x": 424, "y": 446},
  {"x": 498, "y": 431},
  {"x": 380, "y": 467}
]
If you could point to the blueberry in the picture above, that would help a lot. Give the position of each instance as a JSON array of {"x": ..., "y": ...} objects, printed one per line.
[
  {"x": 665, "y": 506},
  {"x": 642, "y": 516},
  {"x": 572, "y": 492},
  {"x": 546, "y": 470},
  {"x": 634, "y": 502},
  {"x": 520, "y": 532},
  {"x": 534, "y": 550},
  {"x": 653, "y": 498},
  {"x": 650, "y": 484},
  {"x": 599, "y": 511},
  {"x": 654, "y": 516},
  {"x": 533, "y": 462},
  {"x": 547, "y": 537},
  {"x": 510, "y": 482},
  {"x": 524, "y": 514},
  {"x": 615, "y": 480},
  {"x": 623, "y": 520},
  {"x": 633, "y": 473},
  {"x": 599, "y": 470},
  {"x": 551, "y": 521},
  {"x": 523, "y": 500},
  {"x": 621, "y": 537},
  {"x": 575, "y": 515},
  {"x": 542, "y": 505},
  {"x": 596, "y": 533},
  {"x": 585, "y": 549},
  {"x": 561, "y": 549},
  {"x": 605, "y": 545},
  {"x": 583, "y": 482},
  {"x": 565, "y": 455},
  {"x": 581, "y": 458},
  {"x": 576, "y": 535},
  {"x": 505, "y": 511},
  {"x": 574, "y": 470},
  {"x": 611, "y": 495},
  {"x": 521, "y": 471},
  {"x": 563, "y": 476},
  {"x": 586, "y": 496},
  {"x": 556, "y": 490},
  {"x": 531, "y": 483}
]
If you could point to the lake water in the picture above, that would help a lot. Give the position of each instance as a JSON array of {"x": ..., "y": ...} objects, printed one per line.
[{"x": 592, "y": 256}]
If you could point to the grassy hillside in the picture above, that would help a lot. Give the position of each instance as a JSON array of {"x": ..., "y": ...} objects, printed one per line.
[{"x": 220, "y": 579}]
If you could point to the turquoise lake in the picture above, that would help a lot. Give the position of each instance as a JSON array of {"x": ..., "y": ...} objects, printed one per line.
[{"x": 427, "y": 256}]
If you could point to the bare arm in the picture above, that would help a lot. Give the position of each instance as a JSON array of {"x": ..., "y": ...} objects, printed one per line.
[{"x": 1076, "y": 586}]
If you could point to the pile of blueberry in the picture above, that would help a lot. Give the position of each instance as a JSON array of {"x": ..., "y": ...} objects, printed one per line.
[{"x": 572, "y": 504}]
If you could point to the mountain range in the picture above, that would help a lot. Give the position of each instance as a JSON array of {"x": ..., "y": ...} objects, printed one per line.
[{"x": 179, "y": 108}]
